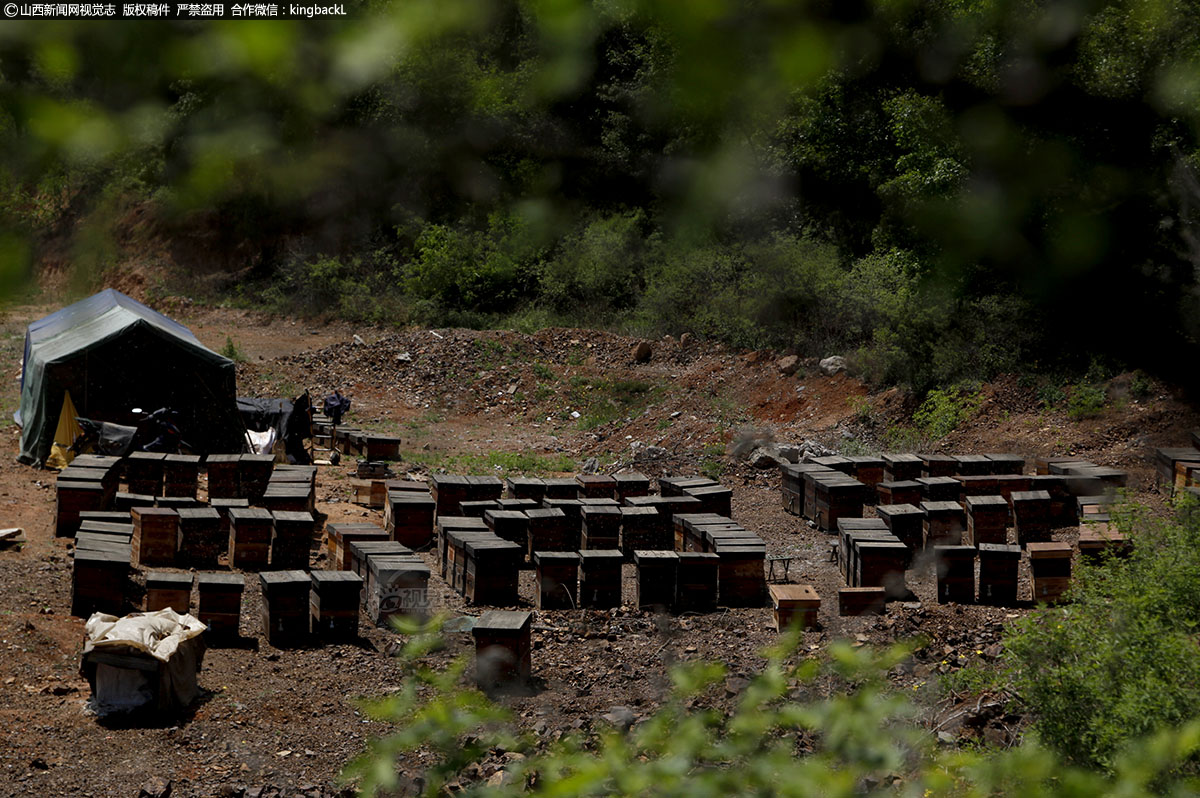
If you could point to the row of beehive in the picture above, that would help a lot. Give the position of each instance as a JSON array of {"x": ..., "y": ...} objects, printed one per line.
[{"x": 92, "y": 482}]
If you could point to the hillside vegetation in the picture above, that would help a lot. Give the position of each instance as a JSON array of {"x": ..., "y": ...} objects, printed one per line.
[{"x": 941, "y": 190}]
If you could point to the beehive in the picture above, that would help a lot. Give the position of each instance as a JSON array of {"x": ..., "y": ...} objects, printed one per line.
[
  {"x": 144, "y": 472},
  {"x": 1031, "y": 516},
  {"x": 795, "y": 605},
  {"x": 987, "y": 520},
  {"x": 333, "y": 604},
  {"x": 955, "y": 574},
  {"x": 657, "y": 572},
  {"x": 945, "y": 523},
  {"x": 291, "y": 539},
  {"x": 219, "y": 602},
  {"x": 601, "y": 528},
  {"x": 998, "y": 565},
  {"x": 1050, "y": 567},
  {"x": 168, "y": 589},
  {"x": 557, "y": 579},
  {"x": 600, "y": 578},
  {"x": 181, "y": 475},
  {"x": 861, "y": 601},
  {"x": 250, "y": 538},
  {"x": 502, "y": 649},
  {"x": 155, "y": 535},
  {"x": 644, "y": 529},
  {"x": 286, "y": 618},
  {"x": 901, "y": 468},
  {"x": 696, "y": 582}
]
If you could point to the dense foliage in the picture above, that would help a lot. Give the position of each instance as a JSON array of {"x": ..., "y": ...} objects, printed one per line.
[
  {"x": 943, "y": 189},
  {"x": 1120, "y": 661},
  {"x": 799, "y": 728}
]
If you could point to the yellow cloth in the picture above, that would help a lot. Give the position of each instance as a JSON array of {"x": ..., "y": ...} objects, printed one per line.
[{"x": 66, "y": 433}]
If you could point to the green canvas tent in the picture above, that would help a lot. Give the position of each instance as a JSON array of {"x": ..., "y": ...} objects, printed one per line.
[{"x": 114, "y": 354}]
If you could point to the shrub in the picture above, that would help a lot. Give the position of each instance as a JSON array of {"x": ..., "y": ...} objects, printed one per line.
[
  {"x": 942, "y": 411},
  {"x": 1086, "y": 400},
  {"x": 1120, "y": 661}
]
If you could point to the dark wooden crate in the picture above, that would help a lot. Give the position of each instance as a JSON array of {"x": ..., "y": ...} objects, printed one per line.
[
  {"x": 73, "y": 497},
  {"x": 409, "y": 518},
  {"x": 862, "y": 601},
  {"x": 741, "y": 573},
  {"x": 396, "y": 586},
  {"x": 998, "y": 567},
  {"x": 557, "y": 579},
  {"x": 551, "y": 530},
  {"x": 475, "y": 508},
  {"x": 286, "y": 619},
  {"x": 219, "y": 602},
  {"x": 1031, "y": 512},
  {"x": 168, "y": 589},
  {"x": 940, "y": 489},
  {"x": 970, "y": 465},
  {"x": 250, "y": 538},
  {"x": 144, "y": 472},
  {"x": 657, "y": 572},
  {"x": 492, "y": 571},
  {"x": 98, "y": 580},
  {"x": 502, "y": 648},
  {"x": 600, "y": 578},
  {"x": 254, "y": 475},
  {"x": 955, "y": 574},
  {"x": 292, "y": 536},
  {"x": 630, "y": 484},
  {"x": 155, "y": 535},
  {"x": 510, "y": 525},
  {"x": 181, "y": 475},
  {"x": 938, "y": 465},
  {"x": 596, "y": 486},
  {"x": 696, "y": 583},
  {"x": 222, "y": 476},
  {"x": 945, "y": 523},
  {"x": 333, "y": 604},
  {"x": 1050, "y": 569},
  {"x": 645, "y": 529},
  {"x": 341, "y": 535},
  {"x": 881, "y": 563},
  {"x": 867, "y": 470},
  {"x": 905, "y": 521},
  {"x": 713, "y": 499},
  {"x": 677, "y": 486},
  {"x": 526, "y": 488},
  {"x": 601, "y": 528},
  {"x": 901, "y": 468},
  {"x": 987, "y": 520},
  {"x": 898, "y": 492}
]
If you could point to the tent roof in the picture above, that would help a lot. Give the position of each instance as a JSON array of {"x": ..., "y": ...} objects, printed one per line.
[{"x": 95, "y": 319}]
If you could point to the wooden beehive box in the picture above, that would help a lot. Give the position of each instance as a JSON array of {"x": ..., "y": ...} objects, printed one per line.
[
  {"x": 685, "y": 535},
  {"x": 1007, "y": 463},
  {"x": 449, "y": 491},
  {"x": 381, "y": 447},
  {"x": 551, "y": 530},
  {"x": 938, "y": 465},
  {"x": 292, "y": 536},
  {"x": 601, "y": 528},
  {"x": 559, "y": 488},
  {"x": 645, "y": 529},
  {"x": 945, "y": 523},
  {"x": 1050, "y": 568},
  {"x": 286, "y": 619},
  {"x": 254, "y": 474},
  {"x": 595, "y": 486},
  {"x": 339, "y": 536},
  {"x": 630, "y": 483},
  {"x": 557, "y": 579},
  {"x": 1031, "y": 514},
  {"x": 1063, "y": 507},
  {"x": 998, "y": 566},
  {"x": 155, "y": 535},
  {"x": 475, "y": 508},
  {"x": 446, "y": 526},
  {"x": 1096, "y": 541},
  {"x": 862, "y": 601},
  {"x": 333, "y": 604},
  {"x": 833, "y": 461},
  {"x": 837, "y": 497},
  {"x": 144, "y": 472},
  {"x": 1166, "y": 458},
  {"x": 940, "y": 489},
  {"x": 793, "y": 485},
  {"x": 677, "y": 486},
  {"x": 696, "y": 582},
  {"x": 222, "y": 476},
  {"x": 70, "y": 499},
  {"x": 905, "y": 521},
  {"x": 510, "y": 525},
  {"x": 181, "y": 475},
  {"x": 492, "y": 570},
  {"x": 409, "y": 517},
  {"x": 123, "y": 500},
  {"x": 902, "y": 492},
  {"x": 526, "y": 488},
  {"x": 713, "y": 499},
  {"x": 98, "y": 578},
  {"x": 657, "y": 572},
  {"x": 396, "y": 586},
  {"x": 250, "y": 538},
  {"x": 973, "y": 465},
  {"x": 867, "y": 470},
  {"x": 955, "y": 574},
  {"x": 168, "y": 589},
  {"x": 502, "y": 649},
  {"x": 848, "y": 530},
  {"x": 741, "y": 572},
  {"x": 987, "y": 520},
  {"x": 600, "y": 578},
  {"x": 456, "y": 554},
  {"x": 795, "y": 605},
  {"x": 881, "y": 563},
  {"x": 219, "y": 602},
  {"x": 901, "y": 468}
]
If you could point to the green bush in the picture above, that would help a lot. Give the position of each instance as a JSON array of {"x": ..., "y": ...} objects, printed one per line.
[
  {"x": 943, "y": 410},
  {"x": 1085, "y": 401},
  {"x": 1120, "y": 661},
  {"x": 800, "y": 727}
]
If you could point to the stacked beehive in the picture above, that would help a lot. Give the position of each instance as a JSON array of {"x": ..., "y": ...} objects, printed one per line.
[
  {"x": 409, "y": 514},
  {"x": 600, "y": 578},
  {"x": 601, "y": 528},
  {"x": 333, "y": 604},
  {"x": 222, "y": 476},
  {"x": 557, "y": 579},
  {"x": 945, "y": 523},
  {"x": 998, "y": 566},
  {"x": 657, "y": 572},
  {"x": 987, "y": 520},
  {"x": 250, "y": 538},
  {"x": 100, "y": 572},
  {"x": 291, "y": 539},
  {"x": 644, "y": 529},
  {"x": 181, "y": 475},
  {"x": 955, "y": 574},
  {"x": 1050, "y": 565},
  {"x": 286, "y": 618},
  {"x": 144, "y": 472},
  {"x": 168, "y": 589},
  {"x": 1031, "y": 516},
  {"x": 155, "y": 535},
  {"x": 219, "y": 602}
]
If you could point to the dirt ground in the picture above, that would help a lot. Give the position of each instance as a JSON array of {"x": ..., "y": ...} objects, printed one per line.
[{"x": 285, "y": 722}]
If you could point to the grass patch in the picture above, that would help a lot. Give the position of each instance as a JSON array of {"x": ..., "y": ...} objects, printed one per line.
[
  {"x": 498, "y": 463},
  {"x": 232, "y": 351},
  {"x": 601, "y": 401}
]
